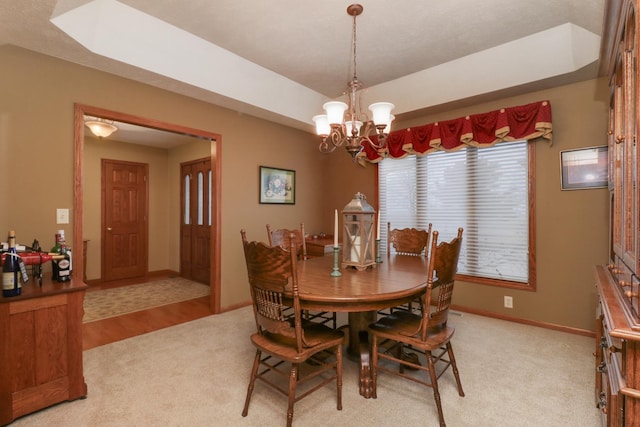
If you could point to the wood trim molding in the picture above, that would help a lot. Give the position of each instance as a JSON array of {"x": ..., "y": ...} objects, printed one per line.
[{"x": 546, "y": 325}]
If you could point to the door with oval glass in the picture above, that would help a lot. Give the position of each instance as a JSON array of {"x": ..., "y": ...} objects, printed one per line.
[{"x": 195, "y": 223}]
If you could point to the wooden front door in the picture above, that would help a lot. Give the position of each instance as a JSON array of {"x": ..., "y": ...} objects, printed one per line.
[
  {"x": 195, "y": 220},
  {"x": 124, "y": 219}
]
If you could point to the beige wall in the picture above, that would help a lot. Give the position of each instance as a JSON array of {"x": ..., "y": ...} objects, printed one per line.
[
  {"x": 36, "y": 151},
  {"x": 571, "y": 225}
]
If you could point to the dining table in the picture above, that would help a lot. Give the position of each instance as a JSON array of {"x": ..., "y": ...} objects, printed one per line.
[{"x": 394, "y": 281}]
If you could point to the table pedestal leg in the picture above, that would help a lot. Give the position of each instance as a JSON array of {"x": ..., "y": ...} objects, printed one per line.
[{"x": 359, "y": 347}]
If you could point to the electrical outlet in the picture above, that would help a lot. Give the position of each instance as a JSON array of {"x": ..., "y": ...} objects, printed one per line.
[
  {"x": 508, "y": 301},
  {"x": 62, "y": 216}
]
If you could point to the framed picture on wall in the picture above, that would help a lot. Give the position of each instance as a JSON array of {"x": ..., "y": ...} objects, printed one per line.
[
  {"x": 585, "y": 168},
  {"x": 277, "y": 186}
]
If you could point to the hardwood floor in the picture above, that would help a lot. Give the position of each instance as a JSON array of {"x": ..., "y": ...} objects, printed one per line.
[{"x": 106, "y": 331}]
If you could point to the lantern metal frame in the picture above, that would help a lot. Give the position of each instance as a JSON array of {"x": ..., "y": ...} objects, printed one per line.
[{"x": 359, "y": 239}]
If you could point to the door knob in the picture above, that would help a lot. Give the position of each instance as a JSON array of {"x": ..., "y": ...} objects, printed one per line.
[{"x": 108, "y": 228}]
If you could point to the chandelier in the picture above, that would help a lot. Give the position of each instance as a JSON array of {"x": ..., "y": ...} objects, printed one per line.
[
  {"x": 345, "y": 123},
  {"x": 101, "y": 128}
]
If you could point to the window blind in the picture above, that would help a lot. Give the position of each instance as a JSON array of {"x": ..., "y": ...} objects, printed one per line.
[{"x": 484, "y": 191}]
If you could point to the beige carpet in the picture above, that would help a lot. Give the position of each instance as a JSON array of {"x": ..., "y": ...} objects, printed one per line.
[
  {"x": 196, "y": 373},
  {"x": 107, "y": 303}
]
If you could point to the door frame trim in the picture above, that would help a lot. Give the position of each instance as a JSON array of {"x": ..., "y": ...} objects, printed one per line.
[{"x": 80, "y": 110}]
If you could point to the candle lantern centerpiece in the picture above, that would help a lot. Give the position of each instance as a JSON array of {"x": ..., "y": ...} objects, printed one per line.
[{"x": 358, "y": 243}]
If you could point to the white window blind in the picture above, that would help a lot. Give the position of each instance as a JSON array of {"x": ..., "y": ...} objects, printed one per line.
[{"x": 484, "y": 191}]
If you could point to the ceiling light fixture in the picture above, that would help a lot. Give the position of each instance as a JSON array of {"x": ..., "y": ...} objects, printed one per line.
[
  {"x": 101, "y": 128},
  {"x": 346, "y": 124}
]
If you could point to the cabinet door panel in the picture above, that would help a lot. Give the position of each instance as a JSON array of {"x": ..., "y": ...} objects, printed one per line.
[
  {"x": 51, "y": 355},
  {"x": 21, "y": 352}
]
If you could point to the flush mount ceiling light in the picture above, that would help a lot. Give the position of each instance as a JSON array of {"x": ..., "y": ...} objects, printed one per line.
[
  {"x": 345, "y": 123},
  {"x": 101, "y": 128}
]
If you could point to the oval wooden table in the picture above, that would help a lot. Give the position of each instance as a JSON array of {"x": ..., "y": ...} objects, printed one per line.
[{"x": 395, "y": 281}]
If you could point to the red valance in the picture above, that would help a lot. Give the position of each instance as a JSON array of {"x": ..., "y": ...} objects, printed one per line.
[{"x": 478, "y": 130}]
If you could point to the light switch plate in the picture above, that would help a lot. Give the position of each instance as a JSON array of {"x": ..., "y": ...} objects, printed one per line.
[{"x": 62, "y": 216}]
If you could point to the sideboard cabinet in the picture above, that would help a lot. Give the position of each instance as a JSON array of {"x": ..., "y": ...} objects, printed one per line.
[
  {"x": 617, "y": 352},
  {"x": 41, "y": 348}
]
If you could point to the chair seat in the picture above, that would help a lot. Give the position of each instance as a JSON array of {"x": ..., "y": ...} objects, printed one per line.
[
  {"x": 318, "y": 337},
  {"x": 402, "y": 325}
]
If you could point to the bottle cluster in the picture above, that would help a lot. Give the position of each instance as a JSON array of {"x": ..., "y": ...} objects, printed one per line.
[{"x": 14, "y": 271}]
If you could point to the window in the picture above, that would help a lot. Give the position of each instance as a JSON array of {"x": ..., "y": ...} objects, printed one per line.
[
  {"x": 200, "y": 198},
  {"x": 187, "y": 199},
  {"x": 486, "y": 191},
  {"x": 209, "y": 198}
]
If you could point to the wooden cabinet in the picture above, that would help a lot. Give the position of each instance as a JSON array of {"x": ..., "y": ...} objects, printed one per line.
[
  {"x": 617, "y": 353},
  {"x": 319, "y": 246},
  {"x": 617, "y": 349},
  {"x": 41, "y": 348}
]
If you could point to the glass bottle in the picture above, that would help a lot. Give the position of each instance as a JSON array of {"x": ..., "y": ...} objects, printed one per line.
[
  {"x": 11, "y": 280},
  {"x": 56, "y": 249}
]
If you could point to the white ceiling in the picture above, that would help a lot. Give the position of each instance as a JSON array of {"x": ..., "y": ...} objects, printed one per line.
[
  {"x": 280, "y": 60},
  {"x": 140, "y": 135}
]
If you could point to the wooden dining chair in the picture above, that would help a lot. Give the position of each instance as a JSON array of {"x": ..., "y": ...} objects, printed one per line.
[
  {"x": 281, "y": 237},
  {"x": 409, "y": 242},
  {"x": 427, "y": 335},
  {"x": 312, "y": 352}
]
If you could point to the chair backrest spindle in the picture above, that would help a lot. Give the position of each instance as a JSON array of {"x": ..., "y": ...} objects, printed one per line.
[{"x": 443, "y": 265}]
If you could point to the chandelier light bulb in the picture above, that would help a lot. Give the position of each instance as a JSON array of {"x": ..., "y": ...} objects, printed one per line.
[
  {"x": 381, "y": 112},
  {"x": 322, "y": 125},
  {"x": 388, "y": 124},
  {"x": 335, "y": 111}
]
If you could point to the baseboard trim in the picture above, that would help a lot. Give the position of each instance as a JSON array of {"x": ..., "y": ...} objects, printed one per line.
[
  {"x": 546, "y": 325},
  {"x": 553, "y": 326},
  {"x": 147, "y": 277},
  {"x": 235, "y": 307},
  {"x": 163, "y": 273}
]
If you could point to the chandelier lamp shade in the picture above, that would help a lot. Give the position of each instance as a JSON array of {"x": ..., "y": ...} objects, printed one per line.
[
  {"x": 100, "y": 127},
  {"x": 345, "y": 124}
]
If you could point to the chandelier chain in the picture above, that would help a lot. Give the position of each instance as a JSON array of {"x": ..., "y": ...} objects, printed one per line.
[{"x": 354, "y": 39}]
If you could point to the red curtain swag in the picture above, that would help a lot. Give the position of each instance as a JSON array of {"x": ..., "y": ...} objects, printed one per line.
[{"x": 479, "y": 130}]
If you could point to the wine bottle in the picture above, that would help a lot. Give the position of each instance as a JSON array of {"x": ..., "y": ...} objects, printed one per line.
[
  {"x": 11, "y": 275},
  {"x": 56, "y": 249},
  {"x": 64, "y": 265}
]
